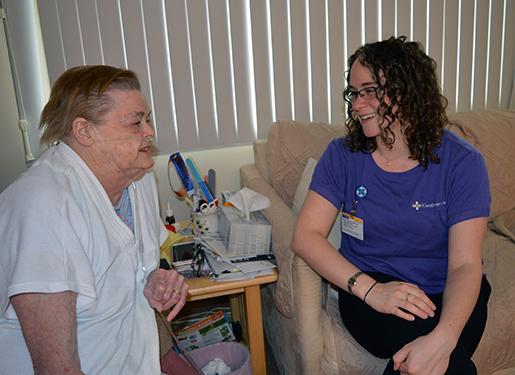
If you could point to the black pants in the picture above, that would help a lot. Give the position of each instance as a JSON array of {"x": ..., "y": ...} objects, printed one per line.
[{"x": 383, "y": 335}]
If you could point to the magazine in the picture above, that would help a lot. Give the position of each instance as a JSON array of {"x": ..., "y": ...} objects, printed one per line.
[{"x": 213, "y": 329}]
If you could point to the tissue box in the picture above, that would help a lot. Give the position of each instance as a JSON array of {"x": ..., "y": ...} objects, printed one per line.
[{"x": 242, "y": 237}]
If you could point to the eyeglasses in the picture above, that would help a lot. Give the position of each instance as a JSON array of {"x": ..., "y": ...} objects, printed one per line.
[
  {"x": 197, "y": 264},
  {"x": 367, "y": 93}
]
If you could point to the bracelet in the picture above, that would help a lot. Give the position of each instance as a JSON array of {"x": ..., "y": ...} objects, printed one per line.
[
  {"x": 368, "y": 291},
  {"x": 353, "y": 281}
]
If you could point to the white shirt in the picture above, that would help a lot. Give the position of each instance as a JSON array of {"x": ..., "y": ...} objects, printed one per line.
[{"x": 60, "y": 232}]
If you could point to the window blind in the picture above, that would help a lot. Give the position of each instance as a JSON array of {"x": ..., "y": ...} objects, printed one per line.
[{"x": 220, "y": 72}]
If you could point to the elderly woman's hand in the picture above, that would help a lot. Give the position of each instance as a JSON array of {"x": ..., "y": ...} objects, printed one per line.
[{"x": 164, "y": 289}]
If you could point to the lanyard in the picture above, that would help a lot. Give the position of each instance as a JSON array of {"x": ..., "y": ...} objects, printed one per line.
[{"x": 361, "y": 192}]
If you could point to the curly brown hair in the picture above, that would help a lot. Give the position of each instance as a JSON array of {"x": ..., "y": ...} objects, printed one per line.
[
  {"x": 406, "y": 75},
  {"x": 82, "y": 91}
]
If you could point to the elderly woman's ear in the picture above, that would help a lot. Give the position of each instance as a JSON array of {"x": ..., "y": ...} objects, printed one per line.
[{"x": 81, "y": 131}]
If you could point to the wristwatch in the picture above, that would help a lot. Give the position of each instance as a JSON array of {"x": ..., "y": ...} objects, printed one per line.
[{"x": 353, "y": 281}]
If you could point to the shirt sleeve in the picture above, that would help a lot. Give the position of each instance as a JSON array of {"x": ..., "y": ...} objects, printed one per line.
[
  {"x": 42, "y": 251},
  {"x": 328, "y": 178},
  {"x": 469, "y": 188}
]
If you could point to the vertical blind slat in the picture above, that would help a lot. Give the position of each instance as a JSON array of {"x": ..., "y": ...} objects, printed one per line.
[
  {"x": 160, "y": 74},
  {"x": 464, "y": 72},
  {"x": 372, "y": 31},
  {"x": 51, "y": 33},
  {"x": 263, "y": 77},
  {"x": 281, "y": 59},
  {"x": 89, "y": 31},
  {"x": 243, "y": 72},
  {"x": 319, "y": 75},
  {"x": 508, "y": 63},
  {"x": 388, "y": 18},
  {"x": 480, "y": 57},
  {"x": 434, "y": 49},
  {"x": 184, "y": 119},
  {"x": 299, "y": 40},
  {"x": 111, "y": 32},
  {"x": 201, "y": 62},
  {"x": 404, "y": 18},
  {"x": 354, "y": 26},
  {"x": 492, "y": 98},
  {"x": 336, "y": 61},
  {"x": 71, "y": 37},
  {"x": 135, "y": 42},
  {"x": 420, "y": 22},
  {"x": 451, "y": 53},
  {"x": 223, "y": 72}
]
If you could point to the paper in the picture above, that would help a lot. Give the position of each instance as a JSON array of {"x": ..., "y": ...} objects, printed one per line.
[
  {"x": 247, "y": 201},
  {"x": 256, "y": 266}
]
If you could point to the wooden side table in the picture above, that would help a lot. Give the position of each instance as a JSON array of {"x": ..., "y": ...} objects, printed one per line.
[{"x": 203, "y": 288}]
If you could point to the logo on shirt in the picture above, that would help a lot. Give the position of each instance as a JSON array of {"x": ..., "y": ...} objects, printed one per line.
[{"x": 417, "y": 206}]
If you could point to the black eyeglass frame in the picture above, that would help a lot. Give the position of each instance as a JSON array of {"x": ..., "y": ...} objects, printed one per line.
[{"x": 368, "y": 95}]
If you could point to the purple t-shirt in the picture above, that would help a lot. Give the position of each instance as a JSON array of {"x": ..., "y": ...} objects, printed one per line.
[{"x": 406, "y": 216}]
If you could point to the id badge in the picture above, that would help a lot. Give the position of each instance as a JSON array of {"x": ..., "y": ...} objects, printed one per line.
[{"x": 352, "y": 225}]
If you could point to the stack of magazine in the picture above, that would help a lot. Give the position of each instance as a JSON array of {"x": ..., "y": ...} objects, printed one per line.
[
  {"x": 213, "y": 329},
  {"x": 226, "y": 267}
]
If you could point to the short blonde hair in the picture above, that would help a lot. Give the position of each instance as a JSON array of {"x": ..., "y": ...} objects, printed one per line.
[{"x": 82, "y": 92}]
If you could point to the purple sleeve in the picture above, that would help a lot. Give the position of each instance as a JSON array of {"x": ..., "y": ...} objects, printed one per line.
[
  {"x": 328, "y": 178},
  {"x": 469, "y": 189}
]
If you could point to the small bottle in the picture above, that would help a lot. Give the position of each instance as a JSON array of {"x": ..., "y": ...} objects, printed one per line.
[{"x": 170, "y": 218}]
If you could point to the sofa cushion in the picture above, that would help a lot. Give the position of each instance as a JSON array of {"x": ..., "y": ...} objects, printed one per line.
[
  {"x": 492, "y": 132},
  {"x": 504, "y": 224},
  {"x": 289, "y": 147},
  {"x": 497, "y": 344}
]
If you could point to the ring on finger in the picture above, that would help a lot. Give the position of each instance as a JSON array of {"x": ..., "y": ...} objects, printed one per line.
[
  {"x": 407, "y": 295},
  {"x": 176, "y": 291}
]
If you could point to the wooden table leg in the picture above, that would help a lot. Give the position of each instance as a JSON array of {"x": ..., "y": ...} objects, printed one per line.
[{"x": 255, "y": 325}]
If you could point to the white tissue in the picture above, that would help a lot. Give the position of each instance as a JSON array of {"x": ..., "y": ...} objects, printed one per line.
[
  {"x": 216, "y": 366},
  {"x": 247, "y": 201}
]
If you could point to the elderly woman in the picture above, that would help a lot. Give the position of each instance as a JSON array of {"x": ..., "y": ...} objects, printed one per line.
[{"x": 81, "y": 233}]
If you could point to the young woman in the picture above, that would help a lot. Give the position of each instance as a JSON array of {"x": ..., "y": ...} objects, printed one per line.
[{"x": 415, "y": 200}]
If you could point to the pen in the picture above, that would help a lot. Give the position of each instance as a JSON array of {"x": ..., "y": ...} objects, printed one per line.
[{"x": 256, "y": 258}]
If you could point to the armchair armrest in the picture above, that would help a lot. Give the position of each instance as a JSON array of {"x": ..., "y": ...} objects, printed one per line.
[{"x": 282, "y": 219}]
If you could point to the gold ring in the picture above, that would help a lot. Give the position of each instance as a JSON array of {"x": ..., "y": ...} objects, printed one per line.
[
  {"x": 176, "y": 291},
  {"x": 407, "y": 295}
]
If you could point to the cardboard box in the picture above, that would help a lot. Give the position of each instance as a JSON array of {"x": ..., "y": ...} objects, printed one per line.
[{"x": 244, "y": 238}]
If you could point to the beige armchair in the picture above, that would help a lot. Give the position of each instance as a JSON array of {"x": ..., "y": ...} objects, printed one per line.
[{"x": 300, "y": 312}]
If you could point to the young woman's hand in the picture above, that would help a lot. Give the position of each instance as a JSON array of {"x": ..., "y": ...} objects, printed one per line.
[
  {"x": 401, "y": 299},
  {"x": 427, "y": 355}
]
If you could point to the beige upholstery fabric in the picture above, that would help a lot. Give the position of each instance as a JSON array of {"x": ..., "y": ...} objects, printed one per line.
[
  {"x": 290, "y": 145},
  {"x": 497, "y": 346},
  {"x": 493, "y": 134},
  {"x": 289, "y": 149},
  {"x": 301, "y": 319}
]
